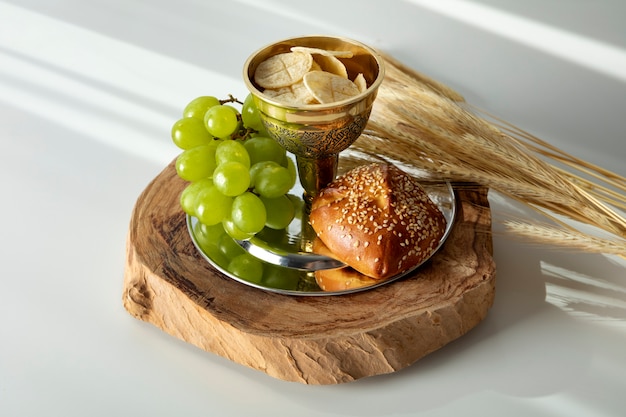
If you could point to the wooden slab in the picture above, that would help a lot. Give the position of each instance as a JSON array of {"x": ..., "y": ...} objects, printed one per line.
[{"x": 311, "y": 340}]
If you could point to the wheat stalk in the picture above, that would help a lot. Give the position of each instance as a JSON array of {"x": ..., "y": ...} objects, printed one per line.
[
  {"x": 548, "y": 234},
  {"x": 614, "y": 188},
  {"x": 421, "y": 123}
]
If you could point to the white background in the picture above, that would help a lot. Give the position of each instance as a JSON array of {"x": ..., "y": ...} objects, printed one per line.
[{"x": 88, "y": 92}]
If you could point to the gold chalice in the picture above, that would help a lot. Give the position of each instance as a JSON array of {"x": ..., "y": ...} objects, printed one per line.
[{"x": 317, "y": 133}]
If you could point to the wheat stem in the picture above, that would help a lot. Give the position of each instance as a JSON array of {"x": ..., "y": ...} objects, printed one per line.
[{"x": 563, "y": 237}]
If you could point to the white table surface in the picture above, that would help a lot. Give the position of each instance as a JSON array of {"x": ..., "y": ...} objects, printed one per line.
[{"x": 88, "y": 92}]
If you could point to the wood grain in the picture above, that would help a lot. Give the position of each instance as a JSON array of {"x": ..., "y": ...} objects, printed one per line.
[{"x": 311, "y": 340}]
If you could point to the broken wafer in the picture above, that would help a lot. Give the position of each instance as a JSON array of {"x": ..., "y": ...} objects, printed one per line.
[
  {"x": 329, "y": 88},
  {"x": 327, "y": 60},
  {"x": 331, "y": 64},
  {"x": 360, "y": 82}
]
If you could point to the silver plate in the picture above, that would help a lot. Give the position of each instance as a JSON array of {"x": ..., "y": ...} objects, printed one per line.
[{"x": 289, "y": 268}]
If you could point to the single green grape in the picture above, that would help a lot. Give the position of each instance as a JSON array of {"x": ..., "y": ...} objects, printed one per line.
[
  {"x": 208, "y": 239},
  {"x": 214, "y": 253},
  {"x": 248, "y": 213},
  {"x": 250, "y": 114},
  {"x": 196, "y": 163},
  {"x": 189, "y": 195},
  {"x": 229, "y": 248},
  {"x": 273, "y": 181},
  {"x": 235, "y": 232},
  {"x": 190, "y": 132},
  {"x": 209, "y": 234},
  {"x": 221, "y": 121},
  {"x": 231, "y": 178},
  {"x": 261, "y": 148},
  {"x": 212, "y": 206},
  {"x": 198, "y": 107},
  {"x": 258, "y": 167},
  {"x": 280, "y": 277},
  {"x": 280, "y": 211},
  {"x": 232, "y": 150},
  {"x": 246, "y": 267}
]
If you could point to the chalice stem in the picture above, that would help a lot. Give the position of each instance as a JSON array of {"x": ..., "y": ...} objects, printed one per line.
[{"x": 316, "y": 173}]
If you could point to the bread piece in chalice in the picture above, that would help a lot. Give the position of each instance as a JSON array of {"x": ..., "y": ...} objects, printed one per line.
[{"x": 378, "y": 220}]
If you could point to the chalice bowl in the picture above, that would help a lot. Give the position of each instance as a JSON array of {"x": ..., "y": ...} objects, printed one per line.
[{"x": 317, "y": 133}]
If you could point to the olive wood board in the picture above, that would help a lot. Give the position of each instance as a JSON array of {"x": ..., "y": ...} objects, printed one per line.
[{"x": 310, "y": 340}]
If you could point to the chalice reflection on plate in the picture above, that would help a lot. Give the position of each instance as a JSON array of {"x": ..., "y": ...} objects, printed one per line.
[{"x": 315, "y": 133}]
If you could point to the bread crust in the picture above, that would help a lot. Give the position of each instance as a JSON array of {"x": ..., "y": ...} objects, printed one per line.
[
  {"x": 378, "y": 220},
  {"x": 339, "y": 279}
]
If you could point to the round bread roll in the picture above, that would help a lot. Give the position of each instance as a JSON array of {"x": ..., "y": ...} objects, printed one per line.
[{"x": 378, "y": 220}]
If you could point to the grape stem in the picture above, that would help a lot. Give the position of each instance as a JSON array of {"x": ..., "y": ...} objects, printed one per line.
[
  {"x": 241, "y": 134},
  {"x": 230, "y": 99}
]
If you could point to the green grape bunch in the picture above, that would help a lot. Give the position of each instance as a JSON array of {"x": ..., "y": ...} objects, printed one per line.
[{"x": 238, "y": 177}]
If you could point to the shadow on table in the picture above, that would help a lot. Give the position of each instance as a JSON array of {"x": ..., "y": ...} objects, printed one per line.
[{"x": 535, "y": 341}]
